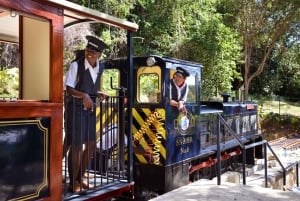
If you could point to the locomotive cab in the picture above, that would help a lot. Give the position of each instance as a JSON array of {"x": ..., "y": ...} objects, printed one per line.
[{"x": 164, "y": 141}]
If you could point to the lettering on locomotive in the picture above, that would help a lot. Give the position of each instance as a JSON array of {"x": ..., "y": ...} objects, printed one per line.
[{"x": 184, "y": 140}]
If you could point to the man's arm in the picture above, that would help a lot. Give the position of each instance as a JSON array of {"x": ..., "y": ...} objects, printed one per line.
[{"x": 87, "y": 101}]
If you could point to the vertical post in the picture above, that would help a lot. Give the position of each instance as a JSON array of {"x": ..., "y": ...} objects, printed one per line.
[
  {"x": 121, "y": 130},
  {"x": 284, "y": 176},
  {"x": 297, "y": 173},
  {"x": 266, "y": 164},
  {"x": 244, "y": 165},
  {"x": 130, "y": 99},
  {"x": 279, "y": 103},
  {"x": 218, "y": 150}
]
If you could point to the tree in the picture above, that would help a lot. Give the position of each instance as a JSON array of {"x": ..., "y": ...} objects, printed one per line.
[
  {"x": 262, "y": 23},
  {"x": 194, "y": 31},
  {"x": 289, "y": 62}
]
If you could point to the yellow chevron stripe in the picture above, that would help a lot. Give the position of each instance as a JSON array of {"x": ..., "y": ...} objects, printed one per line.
[
  {"x": 149, "y": 132},
  {"x": 144, "y": 145},
  {"x": 160, "y": 128},
  {"x": 104, "y": 117},
  {"x": 147, "y": 111}
]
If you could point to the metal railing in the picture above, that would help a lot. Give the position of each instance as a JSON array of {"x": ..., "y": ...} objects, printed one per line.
[
  {"x": 285, "y": 169},
  {"x": 107, "y": 165},
  {"x": 221, "y": 120}
]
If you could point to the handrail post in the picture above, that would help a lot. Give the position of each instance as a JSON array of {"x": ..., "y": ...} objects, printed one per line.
[
  {"x": 244, "y": 166},
  {"x": 297, "y": 173},
  {"x": 218, "y": 150},
  {"x": 266, "y": 165},
  {"x": 284, "y": 176}
]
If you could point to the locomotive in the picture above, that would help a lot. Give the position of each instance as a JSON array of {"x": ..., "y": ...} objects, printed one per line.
[{"x": 170, "y": 150}]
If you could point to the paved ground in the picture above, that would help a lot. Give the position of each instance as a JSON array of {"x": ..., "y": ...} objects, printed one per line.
[
  {"x": 232, "y": 188},
  {"x": 210, "y": 191}
]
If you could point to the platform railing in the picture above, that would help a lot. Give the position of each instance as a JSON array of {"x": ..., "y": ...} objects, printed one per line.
[{"x": 107, "y": 166}]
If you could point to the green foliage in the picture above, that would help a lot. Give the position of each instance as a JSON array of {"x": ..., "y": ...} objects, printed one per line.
[
  {"x": 262, "y": 24},
  {"x": 219, "y": 52},
  {"x": 110, "y": 78},
  {"x": 149, "y": 83},
  {"x": 282, "y": 72},
  {"x": 276, "y": 120},
  {"x": 9, "y": 83},
  {"x": 194, "y": 31},
  {"x": 212, "y": 32}
]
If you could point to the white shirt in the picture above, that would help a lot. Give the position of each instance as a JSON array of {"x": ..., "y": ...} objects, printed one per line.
[
  {"x": 71, "y": 75},
  {"x": 179, "y": 90}
]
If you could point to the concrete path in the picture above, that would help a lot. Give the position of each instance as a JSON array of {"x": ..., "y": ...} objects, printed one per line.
[
  {"x": 232, "y": 188},
  {"x": 205, "y": 190}
]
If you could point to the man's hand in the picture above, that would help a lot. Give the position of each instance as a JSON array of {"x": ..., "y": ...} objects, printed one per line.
[
  {"x": 181, "y": 107},
  {"x": 102, "y": 95},
  {"x": 87, "y": 102}
]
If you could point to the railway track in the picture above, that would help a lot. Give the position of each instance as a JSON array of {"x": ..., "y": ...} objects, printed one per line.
[{"x": 289, "y": 143}]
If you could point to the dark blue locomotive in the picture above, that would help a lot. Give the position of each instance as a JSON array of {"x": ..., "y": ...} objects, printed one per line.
[{"x": 172, "y": 150}]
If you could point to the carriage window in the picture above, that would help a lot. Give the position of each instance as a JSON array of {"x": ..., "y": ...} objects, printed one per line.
[
  {"x": 32, "y": 58},
  {"x": 108, "y": 76},
  {"x": 148, "y": 84},
  {"x": 9, "y": 71},
  {"x": 9, "y": 56}
]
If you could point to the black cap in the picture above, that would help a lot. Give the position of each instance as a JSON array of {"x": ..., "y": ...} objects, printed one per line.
[
  {"x": 95, "y": 44},
  {"x": 182, "y": 72}
]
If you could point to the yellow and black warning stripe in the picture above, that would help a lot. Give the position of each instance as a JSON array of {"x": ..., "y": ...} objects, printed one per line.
[
  {"x": 149, "y": 135},
  {"x": 105, "y": 116}
]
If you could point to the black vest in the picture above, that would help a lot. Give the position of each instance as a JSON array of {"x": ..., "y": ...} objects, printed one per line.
[
  {"x": 174, "y": 92},
  {"x": 84, "y": 80}
]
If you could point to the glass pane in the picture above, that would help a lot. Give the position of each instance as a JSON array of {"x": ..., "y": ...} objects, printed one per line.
[
  {"x": 9, "y": 55},
  {"x": 191, "y": 82},
  {"x": 9, "y": 70},
  {"x": 148, "y": 88}
]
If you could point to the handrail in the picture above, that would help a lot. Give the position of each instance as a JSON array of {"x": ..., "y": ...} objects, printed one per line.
[
  {"x": 236, "y": 137},
  {"x": 108, "y": 165},
  {"x": 244, "y": 148},
  {"x": 231, "y": 131},
  {"x": 284, "y": 169}
]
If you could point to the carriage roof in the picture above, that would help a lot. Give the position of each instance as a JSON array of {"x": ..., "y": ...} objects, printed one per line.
[{"x": 73, "y": 14}]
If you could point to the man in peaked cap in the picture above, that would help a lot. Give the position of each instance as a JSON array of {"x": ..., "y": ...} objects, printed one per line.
[
  {"x": 82, "y": 84},
  {"x": 178, "y": 91}
]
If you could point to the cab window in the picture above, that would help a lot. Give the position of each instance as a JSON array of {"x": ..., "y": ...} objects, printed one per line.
[
  {"x": 191, "y": 82},
  {"x": 148, "y": 84}
]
